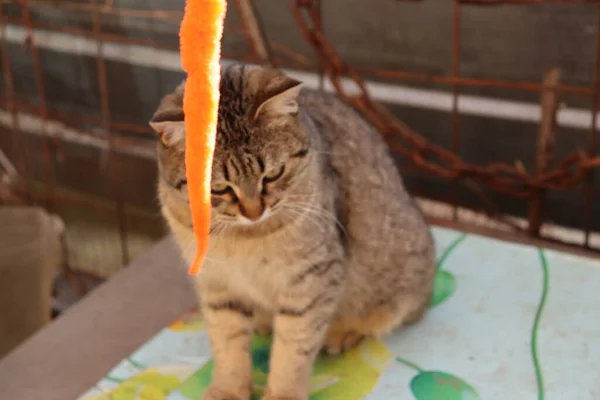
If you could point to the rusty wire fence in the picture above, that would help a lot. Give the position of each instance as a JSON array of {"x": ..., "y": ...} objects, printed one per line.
[{"x": 43, "y": 168}]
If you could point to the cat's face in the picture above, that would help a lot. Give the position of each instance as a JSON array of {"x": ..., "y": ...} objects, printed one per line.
[{"x": 262, "y": 152}]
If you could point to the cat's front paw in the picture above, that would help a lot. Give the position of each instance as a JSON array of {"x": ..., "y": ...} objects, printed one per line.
[
  {"x": 218, "y": 392},
  {"x": 274, "y": 396},
  {"x": 270, "y": 397},
  {"x": 337, "y": 343}
]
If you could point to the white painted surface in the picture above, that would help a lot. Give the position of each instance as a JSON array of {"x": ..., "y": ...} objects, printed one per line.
[{"x": 481, "y": 334}]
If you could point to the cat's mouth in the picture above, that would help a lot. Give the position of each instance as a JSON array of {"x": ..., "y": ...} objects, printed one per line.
[
  {"x": 245, "y": 218},
  {"x": 254, "y": 219}
]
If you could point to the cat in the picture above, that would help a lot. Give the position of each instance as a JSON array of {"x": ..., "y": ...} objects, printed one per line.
[{"x": 313, "y": 235}]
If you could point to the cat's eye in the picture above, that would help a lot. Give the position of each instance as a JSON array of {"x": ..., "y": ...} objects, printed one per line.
[
  {"x": 274, "y": 174},
  {"x": 220, "y": 189}
]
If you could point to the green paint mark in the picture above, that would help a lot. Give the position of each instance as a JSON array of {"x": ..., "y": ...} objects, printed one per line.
[
  {"x": 152, "y": 384},
  {"x": 436, "y": 385},
  {"x": 409, "y": 364},
  {"x": 136, "y": 364},
  {"x": 450, "y": 249},
  {"x": 536, "y": 324},
  {"x": 194, "y": 386},
  {"x": 261, "y": 353},
  {"x": 444, "y": 284},
  {"x": 113, "y": 379}
]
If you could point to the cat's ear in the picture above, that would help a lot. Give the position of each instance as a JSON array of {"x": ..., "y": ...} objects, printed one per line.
[
  {"x": 169, "y": 125},
  {"x": 279, "y": 97},
  {"x": 169, "y": 132},
  {"x": 168, "y": 120}
]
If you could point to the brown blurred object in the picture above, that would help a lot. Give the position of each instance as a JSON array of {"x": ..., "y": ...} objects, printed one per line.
[
  {"x": 8, "y": 180},
  {"x": 30, "y": 254}
]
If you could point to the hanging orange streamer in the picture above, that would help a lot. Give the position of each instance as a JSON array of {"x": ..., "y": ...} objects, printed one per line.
[{"x": 200, "y": 38}]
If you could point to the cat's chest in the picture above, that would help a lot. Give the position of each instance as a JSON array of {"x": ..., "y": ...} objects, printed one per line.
[{"x": 252, "y": 270}]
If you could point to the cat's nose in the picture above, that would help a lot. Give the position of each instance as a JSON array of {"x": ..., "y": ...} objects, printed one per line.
[{"x": 252, "y": 209}]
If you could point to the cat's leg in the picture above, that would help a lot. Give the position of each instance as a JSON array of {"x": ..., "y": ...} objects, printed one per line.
[
  {"x": 392, "y": 300},
  {"x": 304, "y": 312},
  {"x": 229, "y": 324},
  {"x": 340, "y": 339},
  {"x": 348, "y": 331}
]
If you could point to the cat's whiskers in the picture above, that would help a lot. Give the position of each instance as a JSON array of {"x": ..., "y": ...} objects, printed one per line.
[
  {"x": 217, "y": 227},
  {"x": 222, "y": 234},
  {"x": 322, "y": 152},
  {"x": 309, "y": 197},
  {"x": 297, "y": 237},
  {"x": 309, "y": 207},
  {"x": 304, "y": 214}
]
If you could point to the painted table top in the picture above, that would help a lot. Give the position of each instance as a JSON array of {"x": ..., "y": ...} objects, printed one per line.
[{"x": 507, "y": 321}]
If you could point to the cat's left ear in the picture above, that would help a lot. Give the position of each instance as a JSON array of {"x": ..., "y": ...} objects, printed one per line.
[{"x": 280, "y": 98}]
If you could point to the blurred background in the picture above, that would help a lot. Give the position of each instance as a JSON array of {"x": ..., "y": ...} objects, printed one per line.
[{"x": 488, "y": 106}]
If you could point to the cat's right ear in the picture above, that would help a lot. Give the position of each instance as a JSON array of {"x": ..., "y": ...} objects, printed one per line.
[
  {"x": 169, "y": 132},
  {"x": 168, "y": 120},
  {"x": 168, "y": 123}
]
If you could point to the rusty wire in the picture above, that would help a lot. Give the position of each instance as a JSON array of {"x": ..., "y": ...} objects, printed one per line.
[
  {"x": 284, "y": 57},
  {"x": 508, "y": 2},
  {"x": 42, "y": 108},
  {"x": 510, "y": 179},
  {"x": 116, "y": 181}
]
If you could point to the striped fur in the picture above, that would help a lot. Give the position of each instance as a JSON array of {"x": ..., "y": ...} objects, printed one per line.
[{"x": 313, "y": 234}]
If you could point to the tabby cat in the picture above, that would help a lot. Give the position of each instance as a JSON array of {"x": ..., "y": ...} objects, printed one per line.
[{"x": 313, "y": 235}]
